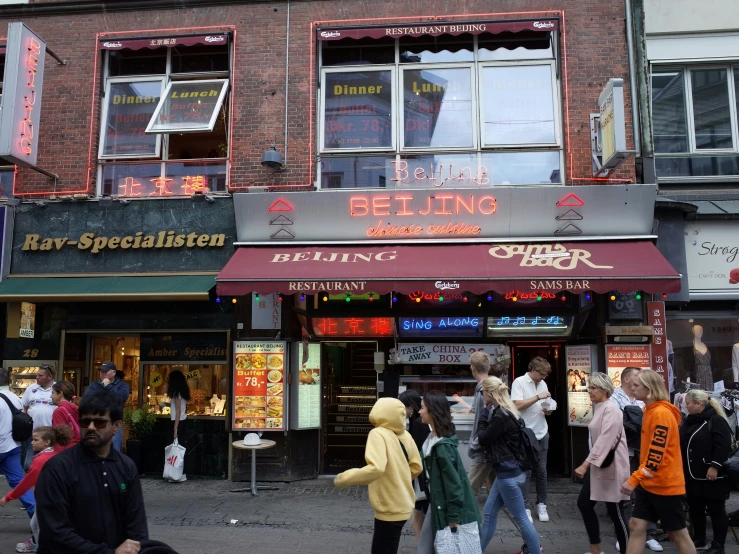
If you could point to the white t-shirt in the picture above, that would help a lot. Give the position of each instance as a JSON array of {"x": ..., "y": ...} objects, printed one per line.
[
  {"x": 524, "y": 388},
  {"x": 183, "y": 408},
  {"x": 40, "y": 407},
  {"x": 6, "y": 422}
]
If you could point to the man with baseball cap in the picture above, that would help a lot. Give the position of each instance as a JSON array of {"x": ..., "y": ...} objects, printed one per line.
[{"x": 120, "y": 389}]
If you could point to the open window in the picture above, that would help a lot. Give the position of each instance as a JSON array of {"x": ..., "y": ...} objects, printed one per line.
[{"x": 189, "y": 107}]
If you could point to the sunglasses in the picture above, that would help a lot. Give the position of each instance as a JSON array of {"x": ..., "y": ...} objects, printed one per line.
[{"x": 99, "y": 422}]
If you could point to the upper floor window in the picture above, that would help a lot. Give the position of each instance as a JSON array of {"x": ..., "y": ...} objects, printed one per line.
[
  {"x": 694, "y": 119},
  {"x": 425, "y": 106},
  {"x": 165, "y": 116}
]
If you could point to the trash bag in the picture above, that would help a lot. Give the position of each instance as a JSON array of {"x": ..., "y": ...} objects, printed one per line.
[
  {"x": 465, "y": 539},
  {"x": 174, "y": 462}
]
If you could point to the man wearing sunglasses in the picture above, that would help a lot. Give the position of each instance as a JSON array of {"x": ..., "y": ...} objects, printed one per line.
[
  {"x": 109, "y": 381},
  {"x": 89, "y": 496}
]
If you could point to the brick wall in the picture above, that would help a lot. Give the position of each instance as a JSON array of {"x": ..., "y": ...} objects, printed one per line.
[{"x": 593, "y": 38}]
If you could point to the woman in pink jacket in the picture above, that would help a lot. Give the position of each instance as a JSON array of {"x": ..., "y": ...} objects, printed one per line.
[{"x": 602, "y": 484}]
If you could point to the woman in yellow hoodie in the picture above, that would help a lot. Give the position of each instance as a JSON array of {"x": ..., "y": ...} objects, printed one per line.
[{"x": 392, "y": 464}]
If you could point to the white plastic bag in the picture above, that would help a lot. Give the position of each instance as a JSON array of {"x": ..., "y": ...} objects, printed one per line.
[
  {"x": 174, "y": 462},
  {"x": 466, "y": 540}
]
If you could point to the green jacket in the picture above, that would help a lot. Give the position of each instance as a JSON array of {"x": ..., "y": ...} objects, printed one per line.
[{"x": 450, "y": 495}]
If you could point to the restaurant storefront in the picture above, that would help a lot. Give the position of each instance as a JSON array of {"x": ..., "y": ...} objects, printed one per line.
[
  {"x": 397, "y": 288},
  {"x": 128, "y": 283}
]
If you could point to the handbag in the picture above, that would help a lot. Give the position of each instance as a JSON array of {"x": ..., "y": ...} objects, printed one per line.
[
  {"x": 174, "y": 462},
  {"x": 608, "y": 460},
  {"x": 464, "y": 539}
]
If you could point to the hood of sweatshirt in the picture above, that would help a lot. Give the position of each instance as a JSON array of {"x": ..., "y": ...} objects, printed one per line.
[
  {"x": 72, "y": 408},
  {"x": 390, "y": 414},
  {"x": 675, "y": 412}
]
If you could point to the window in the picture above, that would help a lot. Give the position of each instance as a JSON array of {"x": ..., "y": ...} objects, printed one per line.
[
  {"x": 426, "y": 111},
  {"x": 694, "y": 118},
  {"x": 165, "y": 117}
]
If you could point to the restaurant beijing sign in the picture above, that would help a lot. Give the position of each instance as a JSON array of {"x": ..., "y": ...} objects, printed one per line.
[
  {"x": 482, "y": 214},
  {"x": 21, "y": 98}
]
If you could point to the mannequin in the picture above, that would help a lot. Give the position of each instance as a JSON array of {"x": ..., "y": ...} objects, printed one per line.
[
  {"x": 701, "y": 371},
  {"x": 731, "y": 375}
]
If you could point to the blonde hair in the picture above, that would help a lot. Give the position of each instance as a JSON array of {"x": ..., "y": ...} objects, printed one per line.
[
  {"x": 654, "y": 383},
  {"x": 602, "y": 381},
  {"x": 481, "y": 362},
  {"x": 499, "y": 391},
  {"x": 698, "y": 396}
]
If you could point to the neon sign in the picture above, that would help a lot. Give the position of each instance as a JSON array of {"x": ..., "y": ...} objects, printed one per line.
[
  {"x": 131, "y": 187},
  {"x": 507, "y": 321},
  {"x": 554, "y": 325},
  {"x": 353, "y": 326},
  {"x": 419, "y": 295},
  {"x": 437, "y": 178},
  {"x": 441, "y": 326},
  {"x": 533, "y": 295},
  {"x": 29, "y": 101}
]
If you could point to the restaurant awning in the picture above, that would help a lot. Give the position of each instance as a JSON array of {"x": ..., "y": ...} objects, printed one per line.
[
  {"x": 215, "y": 39},
  {"x": 596, "y": 266},
  {"x": 106, "y": 289}
]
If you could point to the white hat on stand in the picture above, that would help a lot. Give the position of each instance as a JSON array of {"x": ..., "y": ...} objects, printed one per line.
[{"x": 252, "y": 439}]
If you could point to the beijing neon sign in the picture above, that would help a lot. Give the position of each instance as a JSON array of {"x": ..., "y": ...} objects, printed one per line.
[
  {"x": 438, "y": 204},
  {"x": 29, "y": 101},
  {"x": 437, "y": 178},
  {"x": 353, "y": 326}
]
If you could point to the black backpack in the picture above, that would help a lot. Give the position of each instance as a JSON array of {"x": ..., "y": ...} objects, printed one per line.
[
  {"x": 22, "y": 422},
  {"x": 633, "y": 417},
  {"x": 529, "y": 454}
]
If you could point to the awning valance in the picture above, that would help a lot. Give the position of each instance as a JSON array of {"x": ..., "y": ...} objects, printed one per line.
[
  {"x": 215, "y": 39},
  {"x": 106, "y": 289},
  {"x": 597, "y": 266}
]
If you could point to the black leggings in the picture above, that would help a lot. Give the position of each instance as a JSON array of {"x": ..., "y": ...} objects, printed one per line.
[
  {"x": 386, "y": 538},
  {"x": 717, "y": 510},
  {"x": 589, "y": 517}
]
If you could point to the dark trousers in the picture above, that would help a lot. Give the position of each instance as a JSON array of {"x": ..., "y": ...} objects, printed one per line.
[
  {"x": 386, "y": 538},
  {"x": 717, "y": 510},
  {"x": 615, "y": 511}
]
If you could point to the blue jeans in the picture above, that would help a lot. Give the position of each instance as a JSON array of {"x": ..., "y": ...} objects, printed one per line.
[
  {"x": 118, "y": 439},
  {"x": 10, "y": 466},
  {"x": 507, "y": 491}
]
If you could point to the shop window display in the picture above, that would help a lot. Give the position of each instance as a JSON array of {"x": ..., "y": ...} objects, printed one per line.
[{"x": 208, "y": 388}]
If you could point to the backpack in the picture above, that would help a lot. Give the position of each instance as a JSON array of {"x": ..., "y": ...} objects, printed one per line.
[
  {"x": 529, "y": 453},
  {"x": 22, "y": 422},
  {"x": 633, "y": 417}
]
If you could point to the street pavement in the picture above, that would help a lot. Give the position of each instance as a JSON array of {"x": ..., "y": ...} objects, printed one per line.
[{"x": 205, "y": 517}]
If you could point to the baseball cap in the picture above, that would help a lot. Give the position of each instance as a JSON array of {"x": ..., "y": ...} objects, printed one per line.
[{"x": 108, "y": 366}]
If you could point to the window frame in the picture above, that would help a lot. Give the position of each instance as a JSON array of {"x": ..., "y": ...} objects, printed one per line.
[
  {"x": 225, "y": 84},
  {"x": 687, "y": 81}
]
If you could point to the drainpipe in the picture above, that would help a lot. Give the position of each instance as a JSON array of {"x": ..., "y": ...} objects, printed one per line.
[
  {"x": 632, "y": 87},
  {"x": 287, "y": 79}
]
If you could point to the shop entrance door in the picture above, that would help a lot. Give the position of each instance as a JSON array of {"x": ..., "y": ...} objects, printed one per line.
[{"x": 522, "y": 353}]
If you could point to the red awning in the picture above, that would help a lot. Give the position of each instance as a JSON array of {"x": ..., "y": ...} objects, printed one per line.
[
  {"x": 597, "y": 266},
  {"x": 151, "y": 43},
  {"x": 438, "y": 29}
]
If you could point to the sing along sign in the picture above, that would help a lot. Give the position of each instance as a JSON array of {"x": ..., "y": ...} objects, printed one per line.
[{"x": 21, "y": 98}]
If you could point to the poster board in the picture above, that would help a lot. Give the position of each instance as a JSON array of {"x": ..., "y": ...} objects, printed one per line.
[
  {"x": 305, "y": 397},
  {"x": 259, "y": 386},
  {"x": 582, "y": 361},
  {"x": 621, "y": 356}
]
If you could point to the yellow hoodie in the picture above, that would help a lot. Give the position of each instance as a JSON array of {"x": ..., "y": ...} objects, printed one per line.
[{"x": 387, "y": 472}]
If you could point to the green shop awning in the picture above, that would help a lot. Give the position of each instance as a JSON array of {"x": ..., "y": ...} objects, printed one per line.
[{"x": 105, "y": 289}]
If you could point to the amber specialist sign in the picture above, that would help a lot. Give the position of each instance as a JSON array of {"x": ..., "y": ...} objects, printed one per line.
[{"x": 94, "y": 244}]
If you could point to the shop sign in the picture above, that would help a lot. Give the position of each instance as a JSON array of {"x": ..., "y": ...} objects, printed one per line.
[
  {"x": 28, "y": 320},
  {"x": 267, "y": 313},
  {"x": 657, "y": 320},
  {"x": 619, "y": 357},
  {"x": 90, "y": 242},
  {"x": 184, "y": 347},
  {"x": 20, "y": 111},
  {"x": 443, "y": 353},
  {"x": 630, "y": 330},
  {"x": 441, "y": 326},
  {"x": 613, "y": 124},
  {"x": 353, "y": 326},
  {"x": 581, "y": 362},
  {"x": 712, "y": 251},
  {"x": 259, "y": 386},
  {"x": 305, "y": 411},
  {"x": 439, "y": 215}
]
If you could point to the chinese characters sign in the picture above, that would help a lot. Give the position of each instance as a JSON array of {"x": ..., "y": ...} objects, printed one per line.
[
  {"x": 620, "y": 357},
  {"x": 580, "y": 364},
  {"x": 267, "y": 313},
  {"x": 259, "y": 385},
  {"x": 656, "y": 316},
  {"x": 353, "y": 326}
]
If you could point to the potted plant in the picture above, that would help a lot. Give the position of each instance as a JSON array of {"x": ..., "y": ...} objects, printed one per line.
[{"x": 139, "y": 424}]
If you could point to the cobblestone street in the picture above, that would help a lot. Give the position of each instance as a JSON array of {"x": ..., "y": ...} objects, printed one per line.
[{"x": 310, "y": 516}]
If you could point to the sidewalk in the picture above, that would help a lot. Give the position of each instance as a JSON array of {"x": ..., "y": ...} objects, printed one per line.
[{"x": 311, "y": 516}]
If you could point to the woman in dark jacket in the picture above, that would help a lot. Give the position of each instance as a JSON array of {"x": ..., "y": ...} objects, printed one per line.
[
  {"x": 419, "y": 431},
  {"x": 501, "y": 436},
  {"x": 705, "y": 441}
]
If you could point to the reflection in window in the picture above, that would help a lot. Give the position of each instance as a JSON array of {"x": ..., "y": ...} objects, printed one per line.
[
  {"x": 697, "y": 166},
  {"x": 438, "y": 170},
  {"x": 711, "y": 112},
  {"x": 130, "y": 107},
  {"x": 199, "y": 58},
  {"x": 7, "y": 178},
  {"x": 357, "y": 110},
  {"x": 355, "y": 171},
  {"x": 524, "y": 45},
  {"x": 668, "y": 112},
  {"x": 523, "y": 168},
  {"x": 208, "y": 385},
  {"x": 351, "y": 51},
  {"x": 518, "y": 105},
  {"x": 137, "y": 62},
  {"x": 428, "y": 49},
  {"x": 437, "y": 108}
]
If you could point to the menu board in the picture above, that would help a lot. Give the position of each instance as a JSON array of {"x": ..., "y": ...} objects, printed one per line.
[
  {"x": 305, "y": 412},
  {"x": 581, "y": 362},
  {"x": 259, "y": 386},
  {"x": 620, "y": 357}
]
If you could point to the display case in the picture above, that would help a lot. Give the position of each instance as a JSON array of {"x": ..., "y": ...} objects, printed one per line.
[
  {"x": 208, "y": 385},
  {"x": 22, "y": 373},
  {"x": 460, "y": 392}
]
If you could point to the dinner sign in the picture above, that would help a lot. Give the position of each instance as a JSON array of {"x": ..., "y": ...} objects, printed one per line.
[{"x": 259, "y": 386}]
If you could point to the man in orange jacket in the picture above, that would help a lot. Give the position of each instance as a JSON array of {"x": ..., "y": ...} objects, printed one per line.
[{"x": 659, "y": 480}]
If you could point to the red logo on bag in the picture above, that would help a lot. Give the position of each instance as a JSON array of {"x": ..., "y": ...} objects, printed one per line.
[{"x": 172, "y": 460}]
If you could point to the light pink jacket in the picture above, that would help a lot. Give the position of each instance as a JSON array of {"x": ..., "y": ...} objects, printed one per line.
[{"x": 605, "y": 483}]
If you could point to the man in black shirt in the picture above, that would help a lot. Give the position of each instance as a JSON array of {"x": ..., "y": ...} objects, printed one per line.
[{"x": 88, "y": 497}]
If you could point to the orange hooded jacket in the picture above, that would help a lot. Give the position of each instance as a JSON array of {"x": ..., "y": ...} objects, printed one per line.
[{"x": 660, "y": 461}]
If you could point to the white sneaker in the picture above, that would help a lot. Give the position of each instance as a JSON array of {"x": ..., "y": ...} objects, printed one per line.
[
  {"x": 528, "y": 515},
  {"x": 617, "y": 547},
  {"x": 542, "y": 512},
  {"x": 652, "y": 544}
]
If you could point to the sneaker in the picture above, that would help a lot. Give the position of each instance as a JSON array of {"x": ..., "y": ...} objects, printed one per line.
[
  {"x": 654, "y": 545},
  {"x": 28, "y": 546},
  {"x": 618, "y": 549},
  {"x": 541, "y": 510},
  {"x": 528, "y": 515},
  {"x": 715, "y": 549}
]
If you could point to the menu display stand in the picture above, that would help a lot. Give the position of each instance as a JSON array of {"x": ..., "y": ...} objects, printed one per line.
[{"x": 264, "y": 444}]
